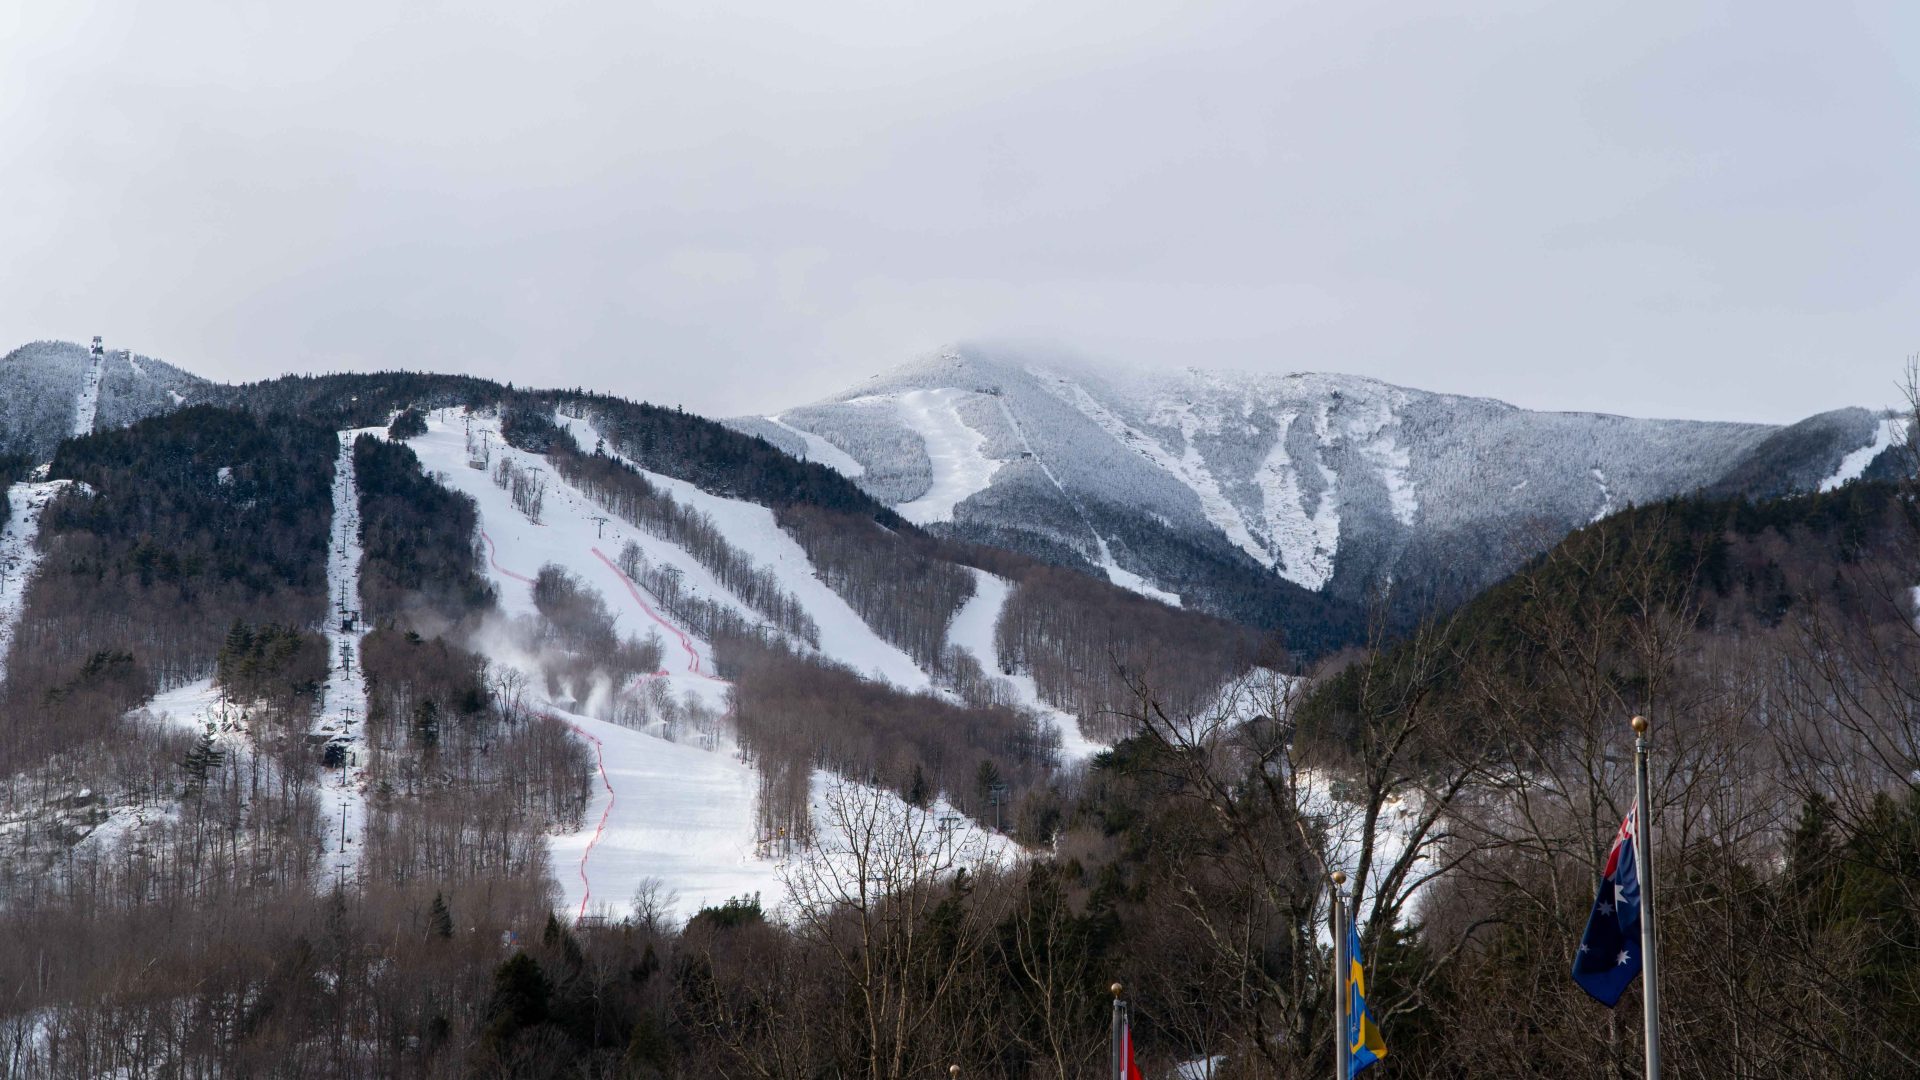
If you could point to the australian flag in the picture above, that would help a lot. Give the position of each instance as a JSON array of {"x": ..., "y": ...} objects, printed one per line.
[{"x": 1609, "y": 956}]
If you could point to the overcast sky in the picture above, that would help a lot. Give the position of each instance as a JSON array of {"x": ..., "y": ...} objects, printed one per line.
[{"x": 1685, "y": 209}]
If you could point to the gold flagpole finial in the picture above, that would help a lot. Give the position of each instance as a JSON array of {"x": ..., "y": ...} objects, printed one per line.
[
  {"x": 954, "y": 1071},
  {"x": 1116, "y": 988},
  {"x": 1639, "y": 725},
  {"x": 1339, "y": 877}
]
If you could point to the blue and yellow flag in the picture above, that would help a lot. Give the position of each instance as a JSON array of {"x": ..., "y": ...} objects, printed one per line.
[{"x": 1364, "y": 1043}]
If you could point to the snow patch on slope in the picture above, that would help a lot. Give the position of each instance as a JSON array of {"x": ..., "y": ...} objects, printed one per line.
[
  {"x": 821, "y": 450},
  {"x": 1891, "y": 432},
  {"x": 1394, "y": 461},
  {"x": 961, "y": 467},
  {"x": 20, "y": 555},
  {"x": 973, "y": 632},
  {"x": 1190, "y": 467},
  {"x": 1606, "y": 493},
  {"x": 1306, "y": 542}
]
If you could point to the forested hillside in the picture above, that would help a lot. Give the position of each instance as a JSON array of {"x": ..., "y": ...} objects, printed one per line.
[{"x": 374, "y": 725}]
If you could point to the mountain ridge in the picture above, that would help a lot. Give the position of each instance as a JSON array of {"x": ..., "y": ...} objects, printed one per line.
[{"x": 1333, "y": 483}]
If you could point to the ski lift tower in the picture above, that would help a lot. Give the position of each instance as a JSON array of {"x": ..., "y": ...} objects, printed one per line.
[{"x": 98, "y": 350}]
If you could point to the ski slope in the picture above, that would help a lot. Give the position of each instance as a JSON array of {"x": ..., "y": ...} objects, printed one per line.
[
  {"x": 844, "y": 635},
  {"x": 20, "y": 554},
  {"x": 343, "y": 712},
  {"x": 1891, "y": 432},
  {"x": 679, "y": 813},
  {"x": 666, "y": 811},
  {"x": 973, "y": 632},
  {"x": 822, "y": 451},
  {"x": 1304, "y": 541},
  {"x": 956, "y": 451}
]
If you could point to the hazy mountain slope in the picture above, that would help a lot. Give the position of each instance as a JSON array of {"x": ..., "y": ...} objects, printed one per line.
[{"x": 1334, "y": 484}]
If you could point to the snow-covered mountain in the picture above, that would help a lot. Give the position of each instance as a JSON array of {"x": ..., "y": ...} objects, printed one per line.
[
  {"x": 1180, "y": 482},
  {"x": 52, "y": 389}
]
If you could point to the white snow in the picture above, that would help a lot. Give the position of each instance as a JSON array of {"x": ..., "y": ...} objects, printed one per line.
[
  {"x": 973, "y": 632},
  {"x": 1190, "y": 467},
  {"x": 752, "y": 528},
  {"x": 19, "y": 555},
  {"x": 961, "y": 467},
  {"x": 1306, "y": 542},
  {"x": 1891, "y": 432},
  {"x": 343, "y": 712},
  {"x": 1394, "y": 461},
  {"x": 1345, "y": 824},
  {"x": 663, "y": 810},
  {"x": 88, "y": 402},
  {"x": 1126, "y": 579},
  {"x": 681, "y": 813},
  {"x": 1200, "y": 1068},
  {"x": 824, "y": 452},
  {"x": 138, "y": 371},
  {"x": 1606, "y": 493}
]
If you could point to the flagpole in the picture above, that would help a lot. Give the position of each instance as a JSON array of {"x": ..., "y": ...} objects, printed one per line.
[
  {"x": 1117, "y": 1069},
  {"x": 1340, "y": 965},
  {"x": 1643, "y": 854}
]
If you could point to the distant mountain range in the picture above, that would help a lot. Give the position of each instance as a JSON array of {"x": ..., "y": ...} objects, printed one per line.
[{"x": 1240, "y": 492}]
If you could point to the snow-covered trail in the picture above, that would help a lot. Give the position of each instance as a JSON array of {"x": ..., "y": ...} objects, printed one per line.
[
  {"x": 343, "y": 712},
  {"x": 823, "y": 451},
  {"x": 1891, "y": 432},
  {"x": 956, "y": 451},
  {"x": 676, "y": 812},
  {"x": 20, "y": 554},
  {"x": 88, "y": 402},
  {"x": 973, "y": 631},
  {"x": 752, "y": 528},
  {"x": 672, "y": 812},
  {"x": 681, "y": 813}
]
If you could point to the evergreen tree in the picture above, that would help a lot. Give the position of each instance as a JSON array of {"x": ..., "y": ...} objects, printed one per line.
[
  {"x": 439, "y": 919},
  {"x": 201, "y": 759},
  {"x": 426, "y": 723},
  {"x": 520, "y": 995},
  {"x": 409, "y": 424}
]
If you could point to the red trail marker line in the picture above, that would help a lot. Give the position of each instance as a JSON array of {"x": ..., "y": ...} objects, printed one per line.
[
  {"x": 492, "y": 552},
  {"x": 600, "y": 758},
  {"x": 693, "y": 657},
  {"x": 599, "y": 751}
]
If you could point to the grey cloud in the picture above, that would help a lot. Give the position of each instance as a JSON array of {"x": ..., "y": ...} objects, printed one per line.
[{"x": 1699, "y": 209}]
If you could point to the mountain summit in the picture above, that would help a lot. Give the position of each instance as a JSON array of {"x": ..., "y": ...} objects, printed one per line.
[{"x": 1194, "y": 485}]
